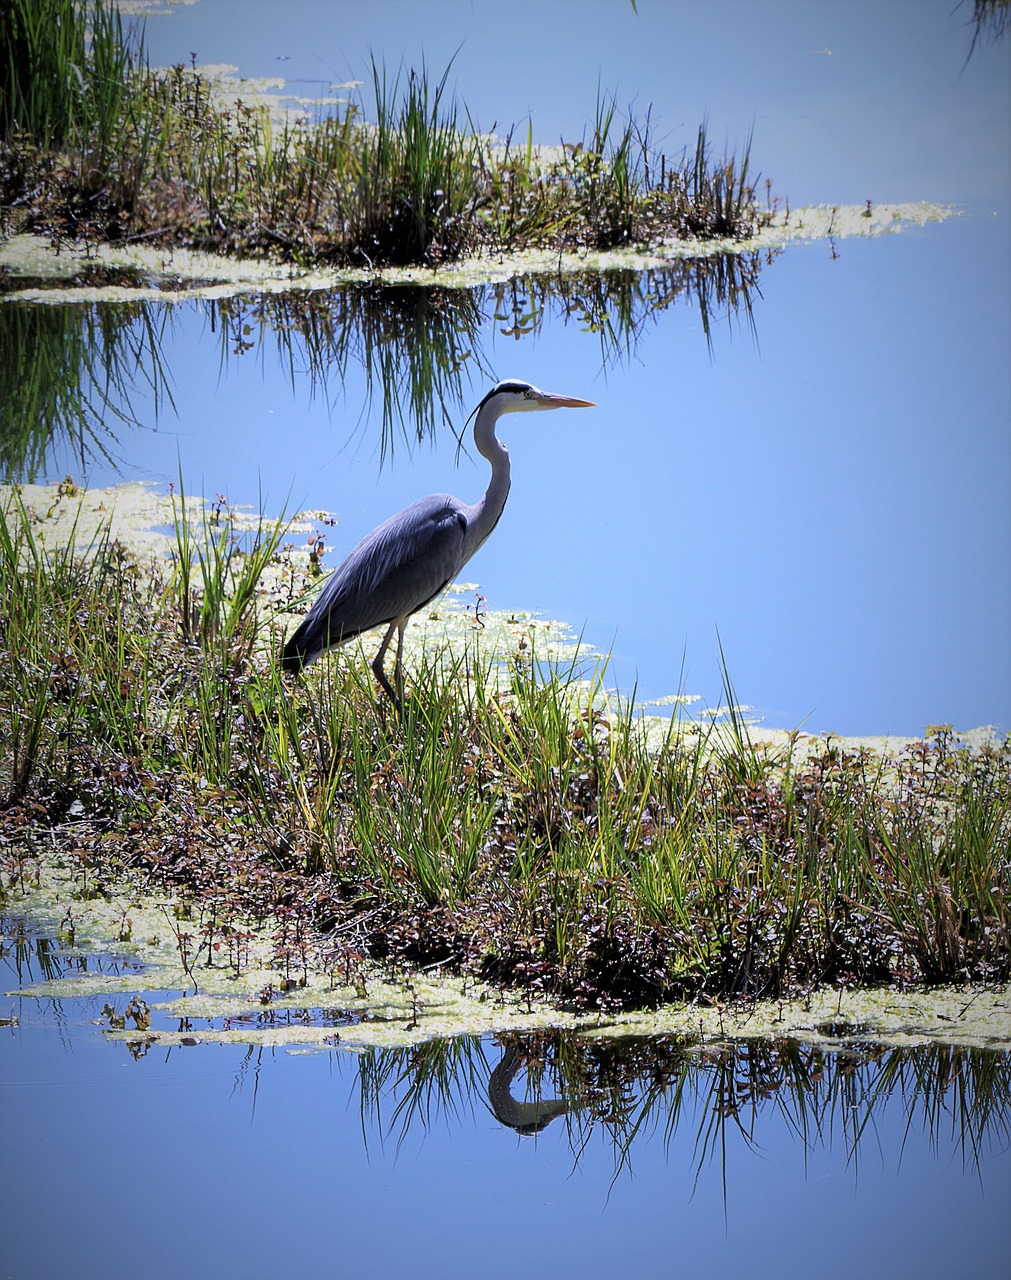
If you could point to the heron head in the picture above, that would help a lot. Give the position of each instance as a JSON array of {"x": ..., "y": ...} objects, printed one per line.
[{"x": 513, "y": 395}]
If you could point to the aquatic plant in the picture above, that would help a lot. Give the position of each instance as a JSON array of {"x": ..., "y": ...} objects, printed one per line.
[{"x": 94, "y": 144}]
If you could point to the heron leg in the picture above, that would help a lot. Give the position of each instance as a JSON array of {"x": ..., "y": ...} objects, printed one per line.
[
  {"x": 398, "y": 670},
  {"x": 377, "y": 663}
]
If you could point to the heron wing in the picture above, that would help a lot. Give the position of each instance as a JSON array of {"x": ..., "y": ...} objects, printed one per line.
[{"x": 394, "y": 571}]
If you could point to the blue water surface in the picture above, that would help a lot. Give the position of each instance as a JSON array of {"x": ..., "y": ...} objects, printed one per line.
[
  {"x": 237, "y": 1161},
  {"x": 825, "y": 495}
]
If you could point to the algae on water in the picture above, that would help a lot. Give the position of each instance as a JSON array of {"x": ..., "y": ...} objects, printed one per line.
[{"x": 172, "y": 274}]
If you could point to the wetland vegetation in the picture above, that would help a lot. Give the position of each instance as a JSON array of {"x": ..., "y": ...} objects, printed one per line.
[
  {"x": 514, "y": 824},
  {"x": 95, "y": 144}
]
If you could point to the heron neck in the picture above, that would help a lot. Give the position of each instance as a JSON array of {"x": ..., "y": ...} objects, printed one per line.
[{"x": 485, "y": 514}]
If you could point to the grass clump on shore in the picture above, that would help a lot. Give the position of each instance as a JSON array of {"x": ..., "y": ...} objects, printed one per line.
[
  {"x": 509, "y": 825},
  {"x": 96, "y": 145}
]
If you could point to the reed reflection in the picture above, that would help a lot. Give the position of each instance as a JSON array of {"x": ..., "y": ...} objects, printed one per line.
[
  {"x": 991, "y": 21},
  {"x": 698, "y": 1097},
  {"x": 28, "y": 956},
  {"x": 618, "y": 306},
  {"x": 79, "y": 378},
  {"x": 75, "y": 377}
]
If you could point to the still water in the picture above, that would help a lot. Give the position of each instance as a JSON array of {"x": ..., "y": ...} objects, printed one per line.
[
  {"x": 820, "y": 485},
  {"x": 824, "y": 488},
  {"x": 552, "y": 1155}
]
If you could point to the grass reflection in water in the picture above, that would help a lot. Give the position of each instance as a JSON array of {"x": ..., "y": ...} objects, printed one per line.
[
  {"x": 78, "y": 378},
  {"x": 695, "y": 1096}
]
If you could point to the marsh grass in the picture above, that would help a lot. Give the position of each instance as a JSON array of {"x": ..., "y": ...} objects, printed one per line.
[
  {"x": 97, "y": 145},
  {"x": 511, "y": 823},
  {"x": 65, "y": 73},
  {"x": 216, "y": 572}
]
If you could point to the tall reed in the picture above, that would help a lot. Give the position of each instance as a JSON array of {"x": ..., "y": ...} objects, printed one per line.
[{"x": 65, "y": 73}]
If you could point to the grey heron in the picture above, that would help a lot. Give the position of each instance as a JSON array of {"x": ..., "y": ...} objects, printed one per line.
[{"x": 408, "y": 560}]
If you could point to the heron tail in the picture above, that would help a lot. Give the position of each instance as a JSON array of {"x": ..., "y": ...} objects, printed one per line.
[
  {"x": 292, "y": 659},
  {"x": 300, "y": 650}
]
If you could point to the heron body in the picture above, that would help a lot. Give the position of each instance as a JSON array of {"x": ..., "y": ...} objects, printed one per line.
[{"x": 409, "y": 559}]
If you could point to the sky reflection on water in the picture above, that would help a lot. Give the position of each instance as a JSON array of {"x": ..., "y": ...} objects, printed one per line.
[
  {"x": 237, "y": 1160},
  {"x": 828, "y": 497}
]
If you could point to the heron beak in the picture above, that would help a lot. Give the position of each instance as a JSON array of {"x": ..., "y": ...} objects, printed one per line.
[{"x": 550, "y": 401}]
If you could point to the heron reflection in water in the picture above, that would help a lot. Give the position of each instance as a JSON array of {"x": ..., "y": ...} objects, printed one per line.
[
  {"x": 409, "y": 559},
  {"x": 527, "y": 1118}
]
